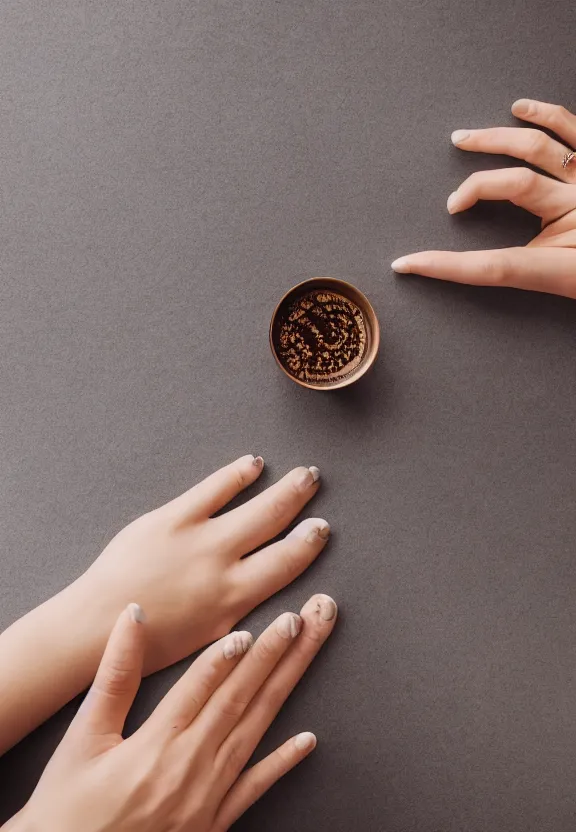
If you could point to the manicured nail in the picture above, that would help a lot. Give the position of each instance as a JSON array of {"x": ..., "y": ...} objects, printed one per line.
[
  {"x": 323, "y": 531},
  {"x": 289, "y": 625},
  {"x": 258, "y": 462},
  {"x": 236, "y": 644},
  {"x": 137, "y": 613},
  {"x": 311, "y": 529},
  {"x": 459, "y": 136},
  {"x": 521, "y": 107},
  {"x": 402, "y": 265},
  {"x": 453, "y": 202},
  {"x": 327, "y": 608},
  {"x": 305, "y": 741},
  {"x": 311, "y": 476}
]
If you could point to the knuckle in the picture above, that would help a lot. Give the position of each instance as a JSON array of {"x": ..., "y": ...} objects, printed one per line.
[
  {"x": 495, "y": 271},
  {"x": 558, "y": 114},
  {"x": 116, "y": 679},
  {"x": 284, "y": 757},
  {"x": 232, "y": 707},
  {"x": 239, "y": 477},
  {"x": 278, "y": 509},
  {"x": 536, "y": 143},
  {"x": 525, "y": 180},
  {"x": 264, "y": 649},
  {"x": 234, "y": 757},
  {"x": 291, "y": 563}
]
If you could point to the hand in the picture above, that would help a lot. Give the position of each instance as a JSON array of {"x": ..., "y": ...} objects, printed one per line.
[
  {"x": 547, "y": 263},
  {"x": 180, "y": 562},
  {"x": 182, "y": 770},
  {"x": 187, "y": 568}
]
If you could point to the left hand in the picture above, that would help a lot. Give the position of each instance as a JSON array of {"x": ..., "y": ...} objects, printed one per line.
[
  {"x": 182, "y": 770},
  {"x": 188, "y": 568},
  {"x": 548, "y": 262}
]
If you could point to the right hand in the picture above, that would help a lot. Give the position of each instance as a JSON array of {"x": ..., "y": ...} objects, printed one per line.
[
  {"x": 548, "y": 262},
  {"x": 188, "y": 568},
  {"x": 182, "y": 769}
]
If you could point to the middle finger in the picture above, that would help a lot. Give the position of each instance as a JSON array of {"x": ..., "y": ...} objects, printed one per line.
[
  {"x": 534, "y": 146},
  {"x": 266, "y": 515},
  {"x": 538, "y": 194}
]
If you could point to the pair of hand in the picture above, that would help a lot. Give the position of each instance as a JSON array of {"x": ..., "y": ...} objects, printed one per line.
[
  {"x": 547, "y": 263},
  {"x": 182, "y": 769}
]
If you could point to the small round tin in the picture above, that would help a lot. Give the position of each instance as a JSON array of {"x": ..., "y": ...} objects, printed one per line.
[{"x": 324, "y": 334}]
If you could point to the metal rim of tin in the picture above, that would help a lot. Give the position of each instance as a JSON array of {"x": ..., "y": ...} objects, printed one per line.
[{"x": 350, "y": 292}]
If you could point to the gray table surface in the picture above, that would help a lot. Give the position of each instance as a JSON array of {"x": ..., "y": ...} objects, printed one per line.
[{"x": 168, "y": 168}]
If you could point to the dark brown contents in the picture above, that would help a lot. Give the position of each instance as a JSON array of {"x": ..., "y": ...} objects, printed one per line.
[{"x": 320, "y": 336}]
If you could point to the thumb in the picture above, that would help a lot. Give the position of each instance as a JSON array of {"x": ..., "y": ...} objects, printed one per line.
[{"x": 108, "y": 701}]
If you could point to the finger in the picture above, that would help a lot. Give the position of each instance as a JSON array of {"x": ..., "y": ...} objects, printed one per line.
[
  {"x": 536, "y": 193},
  {"x": 552, "y": 116},
  {"x": 187, "y": 697},
  {"x": 216, "y": 491},
  {"x": 534, "y": 146},
  {"x": 271, "y": 569},
  {"x": 229, "y": 702},
  {"x": 551, "y": 270},
  {"x": 255, "y": 782},
  {"x": 318, "y": 620},
  {"x": 106, "y": 706},
  {"x": 265, "y": 516}
]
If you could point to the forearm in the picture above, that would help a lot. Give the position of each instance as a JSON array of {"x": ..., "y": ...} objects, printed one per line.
[{"x": 46, "y": 658}]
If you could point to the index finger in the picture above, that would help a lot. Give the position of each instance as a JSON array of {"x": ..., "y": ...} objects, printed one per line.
[{"x": 551, "y": 270}]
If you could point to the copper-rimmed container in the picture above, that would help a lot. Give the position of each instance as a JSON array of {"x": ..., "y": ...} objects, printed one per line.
[{"x": 318, "y": 307}]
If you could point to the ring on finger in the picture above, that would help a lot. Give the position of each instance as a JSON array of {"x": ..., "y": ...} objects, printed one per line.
[{"x": 568, "y": 159}]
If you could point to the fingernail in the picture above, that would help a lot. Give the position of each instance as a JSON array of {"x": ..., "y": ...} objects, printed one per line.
[
  {"x": 137, "y": 614},
  {"x": 305, "y": 741},
  {"x": 311, "y": 476},
  {"x": 311, "y": 529},
  {"x": 258, "y": 462},
  {"x": 521, "y": 107},
  {"x": 452, "y": 203},
  {"x": 327, "y": 608},
  {"x": 236, "y": 644},
  {"x": 459, "y": 136},
  {"x": 289, "y": 625},
  {"x": 323, "y": 531},
  {"x": 402, "y": 266}
]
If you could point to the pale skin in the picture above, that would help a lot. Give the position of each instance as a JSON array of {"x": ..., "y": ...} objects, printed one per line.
[
  {"x": 184, "y": 566},
  {"x": 183, "y": 769},
  {"x": 548, "y": 262}
]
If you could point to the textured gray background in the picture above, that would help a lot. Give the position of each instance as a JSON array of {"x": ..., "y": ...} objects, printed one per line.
[{"x": 167, "y": 169}]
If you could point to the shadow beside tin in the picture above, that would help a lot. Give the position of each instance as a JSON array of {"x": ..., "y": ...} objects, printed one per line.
[{"x": 324, "y": 334}]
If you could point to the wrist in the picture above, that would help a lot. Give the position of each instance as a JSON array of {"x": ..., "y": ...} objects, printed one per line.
[{"x": 53, "y": 653}]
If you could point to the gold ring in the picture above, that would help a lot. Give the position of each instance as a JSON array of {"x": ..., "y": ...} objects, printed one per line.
[{"x": 568, "y": 159}]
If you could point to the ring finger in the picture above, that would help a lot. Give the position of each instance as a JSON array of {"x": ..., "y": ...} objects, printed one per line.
[
  {"x": 538, "y": 194},
  {"x": 533, "y": 146},
  {"x": 318, "y": 617},
  {"x": 228, "y": 704}
]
